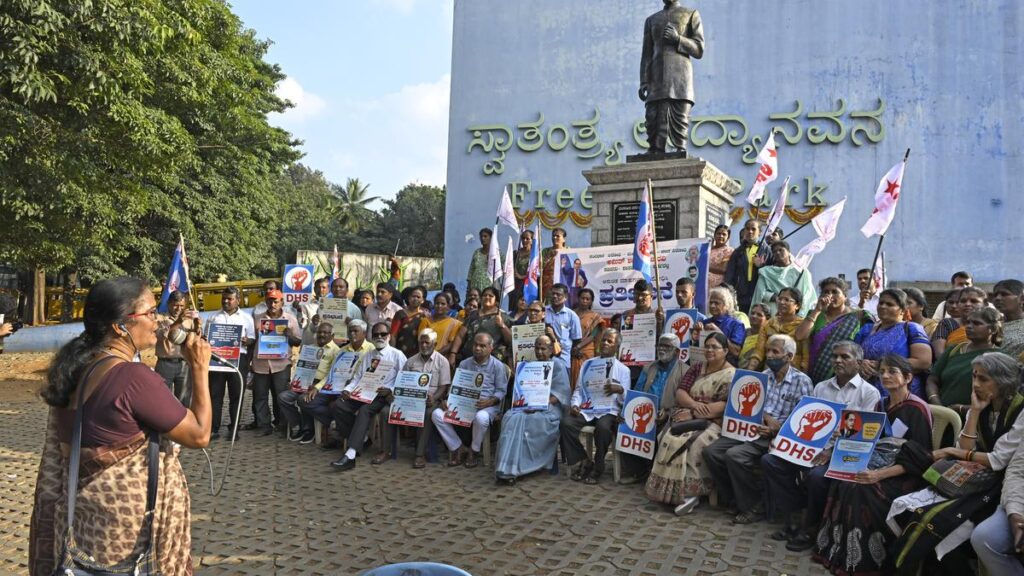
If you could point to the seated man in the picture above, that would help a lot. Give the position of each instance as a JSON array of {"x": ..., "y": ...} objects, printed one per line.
[
  {"x": 488, "y": 407},
  {"x": 734, "y": 464},
  {"x": 529, "y": 438},
  {"x": 432, "y": 362},
  {"x": 662, "y": 377},
  {"x": 792, "y": 488},
  {"x": 288, "y": 399},
  {"x": 351, "y": 416},
  {"x": 605, "y": 425},
  {"x": 784, "y": 274},
  {"x": 318, "y": 405}
]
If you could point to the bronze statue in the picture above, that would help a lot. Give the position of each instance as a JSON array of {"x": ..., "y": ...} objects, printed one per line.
[{"x": 671, "y": 37}]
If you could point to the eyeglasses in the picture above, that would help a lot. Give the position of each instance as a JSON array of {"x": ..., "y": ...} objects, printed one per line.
[
  {"x": 381, "y": 334},
  {"x": 151, "y": 313}
]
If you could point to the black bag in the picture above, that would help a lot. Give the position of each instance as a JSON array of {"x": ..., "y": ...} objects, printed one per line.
[
  {"x": 75, "y": 562},
  {"x": 958, "y": 478}
]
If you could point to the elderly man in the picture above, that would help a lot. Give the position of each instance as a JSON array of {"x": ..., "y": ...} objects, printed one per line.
[
  {"x": 791, "y": 488},
  {"x": 734, "y": 464},
  {"x": 289, "y": 399},
  {"x": 529, "y": 438},
  {"x": 272, "y": 376},
  {"x": 617, "y": 381},
  {"x": 662, "y": 376},
  {"x": 430, "y": 361},
  {"x": 351, "y": 416},
  {"x": 319, "y": 405},
  {"x": 784, "y": 274},
  {"x": 488, "y": 406}
]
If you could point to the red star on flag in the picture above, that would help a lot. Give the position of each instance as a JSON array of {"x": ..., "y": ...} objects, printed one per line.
[
  {"x": 773, "y": 153},
  {"x": 890, "y": 189}
]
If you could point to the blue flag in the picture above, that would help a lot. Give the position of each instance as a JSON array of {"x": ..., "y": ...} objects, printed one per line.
[
  {"x": 531, "y": 287},
  {"x": 643, "y": 247},
  {"x": 177, "y": 276}
]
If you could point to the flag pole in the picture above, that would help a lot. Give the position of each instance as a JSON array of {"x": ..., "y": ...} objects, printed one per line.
[
  {"x": 188, "y": 281},
  {"x": 540, "y": 262},
  {"x": 881, "y": 237},
  {"x": 802, "y": 226},
  {"x": 654, "y": 241}
]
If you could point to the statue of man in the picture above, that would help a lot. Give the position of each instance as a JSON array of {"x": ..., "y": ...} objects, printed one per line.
[{"x": 671, "y": 37}]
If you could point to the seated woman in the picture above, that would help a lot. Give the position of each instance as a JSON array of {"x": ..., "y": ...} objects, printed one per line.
[
  {"x": 949, "y": 383},
  {"x": 677, "y": 477},
  {"x": 529, "y": 439},
  {"x": 991, "y": 435},
  {"x": 518, "y": 311},
  {"x": 831, "y": 321},
  {"x": 758, "y": 316},
  {"x": 853, "y": 537},
  {"x": 535, "y": 315},
  {"x": 720, "y": 319},
  {"x": 891, "y": 335},
  {"x": 785, "y": 321}
]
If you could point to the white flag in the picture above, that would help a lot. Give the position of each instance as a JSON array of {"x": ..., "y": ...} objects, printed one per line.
[
  {"x": 803, "y": 258},
  {"x": 508, "y": 282},
  {"x": 768, "y": 158},
  {"x": 506, "y": 213},
  {"x": 878, "y": 274},
  {"x": 886, "y": 196},
  {"x": 825, "y": 224},
  {"x": 493, "y": 260},
  {"x": 778, "y": 209}
]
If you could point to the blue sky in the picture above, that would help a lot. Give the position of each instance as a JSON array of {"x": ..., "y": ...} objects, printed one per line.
[{"x": 370, "y": 81}]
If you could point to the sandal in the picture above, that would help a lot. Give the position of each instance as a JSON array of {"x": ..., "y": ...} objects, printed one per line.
[
  {"x": 420, "y": 462},
  {"x": 474, "y": 460},
  {"x": 581, "y": 471},
  {"x": 455, "y": 458},
  {"x": 592, "y": 479}
]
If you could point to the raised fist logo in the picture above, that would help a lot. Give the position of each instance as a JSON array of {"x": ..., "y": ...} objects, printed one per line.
[
  {"x": 397, "y": 415},
  {"x": 646, "y": 243},
  {"x": 812, "y": 422},
  {"x": 681, "y": 326},
  {"x": 749, "y": 395},
  {"x": 299, "y": 279},
  {"x": 642, "y": 416}
]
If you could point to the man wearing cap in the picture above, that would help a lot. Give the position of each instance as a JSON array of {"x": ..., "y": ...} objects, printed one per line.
[{"x": 661, "y": 377}]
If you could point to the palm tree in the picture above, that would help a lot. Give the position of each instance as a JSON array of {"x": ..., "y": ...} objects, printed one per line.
[{"x": 351, "y": 204}]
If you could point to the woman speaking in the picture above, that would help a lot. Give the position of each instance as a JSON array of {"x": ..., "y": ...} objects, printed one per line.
[{"x": 103, "y": 399}]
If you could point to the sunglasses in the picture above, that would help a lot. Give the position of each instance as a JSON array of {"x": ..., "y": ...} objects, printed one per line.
[{"x": 381, "y": 334}]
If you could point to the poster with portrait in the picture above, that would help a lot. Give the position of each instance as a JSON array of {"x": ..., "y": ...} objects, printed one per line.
[
  {"x": 342, "y": 370},
  {"x": 463, "y": 396},
  {"x": 523, "y": 337},
  {"x": 531, "y": 389},
  {"x": 594, "y": 376},
  {"x": 375, "y": 376},
  {"x": 859, "y": 432},
  {"x": 305, "y": 368},
  {"x": 409, "y": 405},
  {"x": 226, "y": 342},
  {"x": 639, "y": 340},
  {"x": 272, "y": 339}
]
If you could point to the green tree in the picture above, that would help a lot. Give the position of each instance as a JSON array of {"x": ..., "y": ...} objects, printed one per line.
[
  {"x": 416, "y": 215},
  {"x": 351, "y": 206}
]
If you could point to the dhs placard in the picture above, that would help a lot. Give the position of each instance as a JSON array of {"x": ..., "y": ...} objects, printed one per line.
[
  {"x": 807, "y": 430},
  {"x": 637, "y": 432},
  {"x": 298, "y": 283},
  {"x": 744, "y": 411}
]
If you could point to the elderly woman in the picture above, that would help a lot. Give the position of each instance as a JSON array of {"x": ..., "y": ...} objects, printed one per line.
[
  {"x": 951, "y": 330},
  {"x": 758, "y": 317},
  {"x": 949, "y": 383},
  {"x": 535, "y": 315},
  {"x": 718, "y": 256},
  {"x": 853, "y": 537},
  {"x": 106, "y": 405},
  {"x": 830, "y": 321},
  {"x": 891, "y": 335},
  {"x": 591, "y": 326},
  {"x": 991, "y": 436},
  {"x": 678, "y": 477},
  {"x": 529, "y": 438},
  {"x": 786, "y": 321},
  {"x": 720, "y": 319}
]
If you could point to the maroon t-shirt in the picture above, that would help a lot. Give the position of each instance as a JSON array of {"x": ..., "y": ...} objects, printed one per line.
[{"x": 130, "y": 398}]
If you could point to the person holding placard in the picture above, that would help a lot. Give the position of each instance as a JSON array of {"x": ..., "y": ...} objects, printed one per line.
[
  {"x": 288, "y": 400},
  {"x": 354, "y": 410},
  {"x": 596, "y": 401},
  {"x": 591, "y": 327},
  {"x": 170, "y": 364},
  {"x": 271, "y": 376},
  {"x": 339, "y": 289},
  {"x": 305, "y": 312},
  {"x": 223, "y": 377},
  {"x": 319, "y": 400},
  {"x": 794, "y": 489},
  {"x": 432, "y": 362},
  {"x": 529, "y": 438},
  {"x": 734, "y": 464},
  {"x": 493, "y": 376}
]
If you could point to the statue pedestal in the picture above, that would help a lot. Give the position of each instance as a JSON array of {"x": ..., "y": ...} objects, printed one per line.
[{"x": 691, "y": 198}]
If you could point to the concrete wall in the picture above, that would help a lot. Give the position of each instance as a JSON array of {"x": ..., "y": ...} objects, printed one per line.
[{"x": 948, "y": 73}]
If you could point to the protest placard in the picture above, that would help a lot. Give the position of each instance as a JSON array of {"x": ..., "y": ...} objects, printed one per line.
[
  {"x": 297, "y": 284},
  {"x": 595, "y": 375},
  {"x": 638, "y": 340},
  {"x": 679, "y": 322},
  {"x": 226, "y": 342},
  {"x": 342, "y": 370},
  {"x": 272, "y": 340},
  {"x": 523, "y": 337},
  {"x": 372, "y": 378},
  {"x": 409, "y": 405},
  {"x": 807, "y": 430},
  {"x": 335, "y": 311},
  {"x": 305, "y": 368},
  {"x": 532, "y": 387},
  {"x": 859, "y": 432},
  {"x": 463, "y": 396},
  {"x": 638, "y": 432},
  {"x": 744, "y": 410}
]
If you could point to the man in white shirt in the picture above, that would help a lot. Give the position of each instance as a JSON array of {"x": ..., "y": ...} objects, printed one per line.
[
  {"x": 220, "y": 378},
  {"x": 430, "y": 361},
  {"x": 306, "y": 311},
  {"x": 798, "y": 492},
  {"x": 351, "y": 416},
  {"x": 868, "y": 291},
  {"x": 605, "y": 425}
]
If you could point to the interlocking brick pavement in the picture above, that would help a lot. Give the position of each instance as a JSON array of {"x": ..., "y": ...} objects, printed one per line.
[{"x": 283, "y": 510}]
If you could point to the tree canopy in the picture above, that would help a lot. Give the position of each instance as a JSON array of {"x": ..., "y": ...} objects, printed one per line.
[{"x": 123, "y": 123}]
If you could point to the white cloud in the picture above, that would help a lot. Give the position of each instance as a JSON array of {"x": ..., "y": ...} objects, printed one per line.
[{"x": 305, "y": 104}]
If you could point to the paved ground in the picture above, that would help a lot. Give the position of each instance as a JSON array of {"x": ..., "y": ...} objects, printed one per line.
[{"x": 283, "y": 511}]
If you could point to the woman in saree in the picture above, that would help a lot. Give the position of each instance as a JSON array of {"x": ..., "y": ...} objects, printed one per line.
[
  {"x": 891, "y": 335},
  {"x": 410, "y": 321},
  {"x": 831, "y": 321},
  {"x": 950, "y": 381},
  {"x": 758, "y": 316},
  {"x": 678, "y": 477},
  {"x": 591, "y": 326},
  {"x": 443, "y": 323},
  {"x": 529, "y": 438},
  {"x": 951, "y": 332},
  {"x": 549, "y": 259},
  {"x": 786, "y": 321},
  {"x": 991, "y": 435},
  {"x": 853, "y": 538},
  {"x": 122, "y": 402},
  {"x": 490, "y": 319},
  {"x": 718, "y": 256}
]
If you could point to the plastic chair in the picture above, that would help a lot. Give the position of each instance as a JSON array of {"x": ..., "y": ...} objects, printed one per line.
[
  {"x": 943, "y": 418},
  {"x": 416, "y": 569},
  {"x": 587, "y": 436}
]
